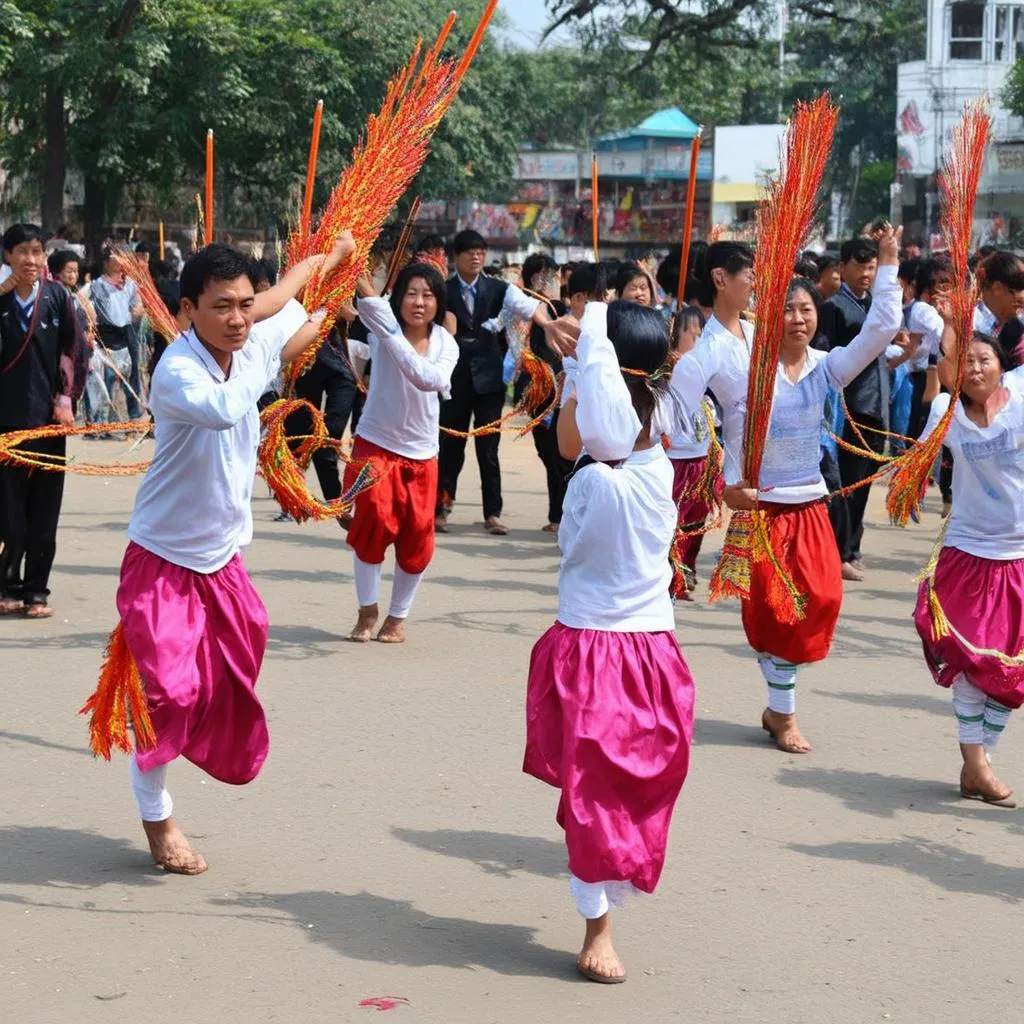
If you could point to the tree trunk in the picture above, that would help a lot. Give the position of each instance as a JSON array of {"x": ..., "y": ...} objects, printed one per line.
[
  {"x": 95, "y": 214},
  {"x": 55, "y": 159}
]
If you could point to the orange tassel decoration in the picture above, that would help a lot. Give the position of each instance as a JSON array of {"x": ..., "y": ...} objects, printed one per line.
[
  {"x": 783, "y": 220},
  {"x": 958, "y": 184},
  {"x": 118, "y": 696},
  {"x": 383, "y": 167},
  {"x": 284, "y": 468},
  {"x": 155, "y": 307}
]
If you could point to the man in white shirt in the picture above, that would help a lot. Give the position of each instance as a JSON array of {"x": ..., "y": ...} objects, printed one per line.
[
  {"x": 926, "y": 327},
  {"x": 191, "y": 620}
]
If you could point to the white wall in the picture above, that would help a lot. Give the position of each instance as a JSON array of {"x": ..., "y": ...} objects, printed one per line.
[{"x": 747, "y": 153}]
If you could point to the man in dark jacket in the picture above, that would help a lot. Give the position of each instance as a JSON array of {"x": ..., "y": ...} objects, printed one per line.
[
  {"x": 40, "y": 338},
  {"x": 478, "y": 386}
]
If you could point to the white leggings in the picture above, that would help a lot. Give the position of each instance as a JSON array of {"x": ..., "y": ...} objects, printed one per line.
[
  {"x": 979, "y": 718},
  {"x": 595, "y": 899},
  {"x": 150, "y": 790},
  {"x": 403, "y": 588},
  {"x": 781, "y": 679}
]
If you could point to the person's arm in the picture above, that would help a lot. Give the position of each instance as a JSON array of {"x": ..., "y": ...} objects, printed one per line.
[
  {"x": 902, "y": 349},
  {"x": 302, "y": 339},
  {"x": 424, "y": 375},
  {"x": 882, "y": 322},
  {"x": 69, "y": 339},
  {"x": 938, "y": 410},
  {"x": 296, "y": 278},
  {"x": 570, "y": 444},
  {"x": 607, "y": 422},
  {"x": 187, "y": 393}
]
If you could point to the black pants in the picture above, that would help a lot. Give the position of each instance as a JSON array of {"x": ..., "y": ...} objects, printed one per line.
[
  {"x": 333, "y": 391},
  {"x": 465, "y": 406},
  {"x": 545, "y": 440},
  {"x": 919, "y": 408},
  {"x": 854, "y": 468},
  {"x": 838, "y": 510},
  {"x": 29, "y": 509}
]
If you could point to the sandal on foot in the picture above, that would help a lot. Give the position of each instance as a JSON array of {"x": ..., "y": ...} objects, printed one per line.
[
  {"x": 11, "y": 606},
  {"x": 601, "y": 979},
  {"x": 1006, "y": 800},
  {"x": 38, "y": 611}
]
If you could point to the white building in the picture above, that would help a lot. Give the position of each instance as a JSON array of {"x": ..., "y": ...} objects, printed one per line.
[{"x": 970, "y": 49}]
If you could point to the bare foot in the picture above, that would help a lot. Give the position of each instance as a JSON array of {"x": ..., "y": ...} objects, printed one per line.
[
  {"x": 392, "y": 632},
  {"x": 171, "y": 850},
  {"x": 363, "y": 631},
  {"x": 494, "y": 525},
  {"x": 784, "y": 730},
  {"x": 38, "y": 611},
  {"x": 981, "y": 783},
  {"x": 598, "y": 960},
  {"x": 10, "y": 606}
]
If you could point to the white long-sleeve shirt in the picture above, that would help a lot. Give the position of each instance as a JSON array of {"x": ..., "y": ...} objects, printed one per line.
[
  {"x": 987, "y": 518},
  {"x": 193, "y": 508},
  {"x": 404, "y": 404},
  {"x": 617, "y": 522},
  {"x": 789, "y": 469},
  {"x": 924, "y": 320}
]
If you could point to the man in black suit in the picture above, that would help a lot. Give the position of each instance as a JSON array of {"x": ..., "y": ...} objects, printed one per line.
[
  {"x": 41, "y": 374},
  {"x": 478, "y": 386}
]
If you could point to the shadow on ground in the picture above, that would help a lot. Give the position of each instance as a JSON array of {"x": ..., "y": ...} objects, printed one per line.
[
  {"x": 363, "y": 926},
  {"x": 497, "y": 853},
  {"x": 945, "y": 866}
]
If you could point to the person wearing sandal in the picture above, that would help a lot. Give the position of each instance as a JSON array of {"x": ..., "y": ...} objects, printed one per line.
[
  {"x": 40, "y": 338},
  {"x": 190, "y": 618},
  {"x": 413, "y": 360},
  {"x": 792, "y": 491},
  {"x": 609, "y": 707},
  {"x": 970, "y": 606}
]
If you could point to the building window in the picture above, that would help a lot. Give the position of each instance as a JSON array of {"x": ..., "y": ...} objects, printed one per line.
[
  {"x": 966, "y": 31},
  {"x": 1008, "y": 38}
]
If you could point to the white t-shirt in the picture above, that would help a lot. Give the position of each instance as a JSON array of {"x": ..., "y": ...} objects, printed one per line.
[
  {"x": 403, "y": 406},
  {"x": 617, "y": 521},
  {"x": 193, "y": 507},
  {"x": 987, "y": 518}
]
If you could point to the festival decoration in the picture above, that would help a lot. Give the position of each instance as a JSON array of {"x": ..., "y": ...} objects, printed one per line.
[
  {"x": 208, "y": 214},
  {"x": 958, "y": 185},
  {"x": 156, "y": 309},
  {"x": 383, "y": 166},
  {"x": 118, "y": 695},
  {"x": 691, "y": 200},
  {"x": 783, "y": 220},
  {"x": 314, "y": 151}
]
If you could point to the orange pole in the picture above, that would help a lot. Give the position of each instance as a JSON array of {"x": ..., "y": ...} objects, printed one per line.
[
  {"x": 446, "y": 28},
  {"x": 691, "y": 194},
  {"x": 403, "y": 244},
  {"x": 314, "y": 151},
  {"x": 595, "y": 212},
  {"x": 208, "y": 234},
  {"x": 161, "y": 238},
  {"x": 476, "y": 40}
]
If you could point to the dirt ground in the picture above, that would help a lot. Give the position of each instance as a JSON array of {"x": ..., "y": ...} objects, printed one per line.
[{"x": 392, "y": 848}]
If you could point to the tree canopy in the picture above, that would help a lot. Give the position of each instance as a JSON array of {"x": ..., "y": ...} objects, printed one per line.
[{"x": 121, "y": 92}]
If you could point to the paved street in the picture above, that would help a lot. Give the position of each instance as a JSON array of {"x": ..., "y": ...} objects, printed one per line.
[{"x": 391, "y": 846}]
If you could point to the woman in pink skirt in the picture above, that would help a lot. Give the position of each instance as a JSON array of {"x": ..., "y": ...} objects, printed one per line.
[
  {"x": 970, "y": 609},
  {"x": 610, "y": 699}
]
